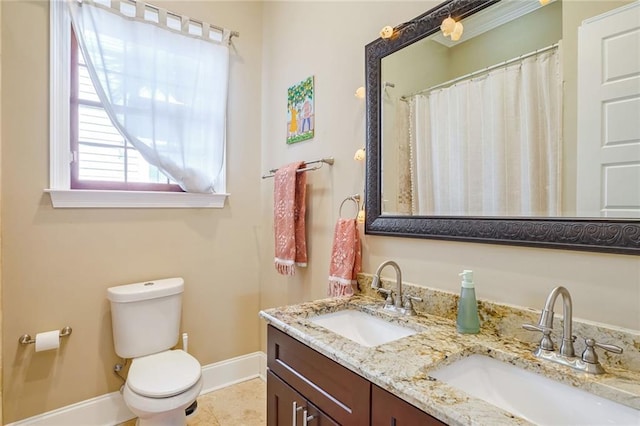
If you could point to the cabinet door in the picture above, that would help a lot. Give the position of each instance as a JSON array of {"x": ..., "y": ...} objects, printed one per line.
[
  {"x": 286, "y": 407},
  {"x": 338, "y": 392},
  {"x": 389, "y": 410},
  {"x": 282, "y": 402}
]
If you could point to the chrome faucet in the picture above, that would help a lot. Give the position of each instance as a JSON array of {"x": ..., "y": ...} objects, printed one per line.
[
  {"x": 546, "y": 319},
  {"x": 397, "y": 306},
  {"x": 376, "y": 282},
  {"x": 545, "y": 325},
  {"x": 566, "y": 356}
]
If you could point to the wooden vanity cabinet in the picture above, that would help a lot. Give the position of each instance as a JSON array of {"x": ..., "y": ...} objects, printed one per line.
[
  {"x": 389, "y": 410},
  {"x": 331, "y": 393}
]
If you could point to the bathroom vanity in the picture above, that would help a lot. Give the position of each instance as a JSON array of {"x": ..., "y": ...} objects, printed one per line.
[
  {"x": 317, "y": 376},
  {"x": 331, "y": 391}
]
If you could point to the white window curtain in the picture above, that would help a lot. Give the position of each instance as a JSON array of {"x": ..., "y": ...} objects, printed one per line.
[
  {"x": 163, "y": 89},
  {"x": 490, "y": 146}
]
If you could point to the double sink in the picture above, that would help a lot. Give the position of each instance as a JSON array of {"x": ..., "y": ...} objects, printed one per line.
[{"x": 530, "y": 396}]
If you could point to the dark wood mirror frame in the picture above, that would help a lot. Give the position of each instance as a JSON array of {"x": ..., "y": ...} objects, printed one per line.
[{"x": 592, "y": 234}]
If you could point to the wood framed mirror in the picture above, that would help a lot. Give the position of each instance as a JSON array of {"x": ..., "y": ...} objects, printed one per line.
[{"x": 612, "y": 224}]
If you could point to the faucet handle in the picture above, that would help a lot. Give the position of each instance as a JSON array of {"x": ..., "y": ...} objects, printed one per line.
[
  {"x": 384, "y": 291},
  {"x": 388, "y": 293},
  {"x": 409, "y": 298},
  {"x": 408, "y": 305},
  {"x": 545, "y": 343},
  {"x": 589, "y": 355},
  {"x": 531, "y": 327}
]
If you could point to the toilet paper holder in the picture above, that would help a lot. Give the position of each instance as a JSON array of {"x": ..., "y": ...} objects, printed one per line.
[{"x": 26, "y": 339}]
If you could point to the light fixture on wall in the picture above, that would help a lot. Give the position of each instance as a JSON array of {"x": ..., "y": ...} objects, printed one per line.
[
  {"x": 386, "y": 32},
  {"x": 360, "y": 156},
  {"x": 360, "y": 93},
  {"x": 451, "y": 16},
  {"x": 450, "y": 27},
  {"x": 447, "y": 26},
  {"x": 544, "y": 2},
  {"x": 457, "y": 31}
]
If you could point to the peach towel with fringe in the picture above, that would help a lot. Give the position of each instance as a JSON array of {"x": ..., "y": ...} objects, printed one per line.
[
  {"x": 346, "y": 258},
  {"x": 289, "y": 218}
]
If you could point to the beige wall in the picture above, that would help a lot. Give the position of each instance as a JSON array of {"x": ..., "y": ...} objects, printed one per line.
[
  {"x": 58, "y": 263},
  {"x": 324, "y": 39},
  {"x": 605, "y": 287}
]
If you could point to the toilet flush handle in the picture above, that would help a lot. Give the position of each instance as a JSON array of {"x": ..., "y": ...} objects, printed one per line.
[{"x": 185, "y": 342}]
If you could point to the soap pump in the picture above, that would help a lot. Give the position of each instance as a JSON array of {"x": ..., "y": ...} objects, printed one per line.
[{"x": 468, "y": 321}]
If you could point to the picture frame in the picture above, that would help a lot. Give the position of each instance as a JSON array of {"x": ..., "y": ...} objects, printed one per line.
[{"x": 300, "y": 111}]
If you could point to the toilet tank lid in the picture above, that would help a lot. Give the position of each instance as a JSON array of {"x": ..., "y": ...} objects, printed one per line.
[{"x": 145, "y": 290}]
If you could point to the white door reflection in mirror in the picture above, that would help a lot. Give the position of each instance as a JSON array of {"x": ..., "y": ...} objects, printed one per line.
[{"x": 609, "y": 114}]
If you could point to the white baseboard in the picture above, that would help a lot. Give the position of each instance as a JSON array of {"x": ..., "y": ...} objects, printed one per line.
[
  {"x": 263, "y": 366},
  {"x": 103, "y": 410},
  {"x": 232, "y": 371},
  {"x": 110, "y": 409}
]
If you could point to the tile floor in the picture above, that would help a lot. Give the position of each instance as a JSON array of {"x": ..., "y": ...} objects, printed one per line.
[{"x": 243, "y": 404}]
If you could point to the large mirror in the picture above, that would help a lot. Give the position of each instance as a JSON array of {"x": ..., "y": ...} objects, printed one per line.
[{"x": 478, "y": 139}]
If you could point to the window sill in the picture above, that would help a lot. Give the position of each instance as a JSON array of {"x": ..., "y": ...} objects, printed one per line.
[{"x": 79, "y": 198}]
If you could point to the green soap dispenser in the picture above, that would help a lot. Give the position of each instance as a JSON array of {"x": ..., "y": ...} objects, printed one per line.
[{"x": 468, "y": 321}]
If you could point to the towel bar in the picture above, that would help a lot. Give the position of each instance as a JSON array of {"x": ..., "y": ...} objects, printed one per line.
[
  {"x": 322, "y": 161},
  {"x": 356, "y": 199}
]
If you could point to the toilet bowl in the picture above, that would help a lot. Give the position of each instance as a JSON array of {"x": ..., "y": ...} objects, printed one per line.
[
  {"x": 161, "y": 382},
  {"x": 160, "y": 386}
]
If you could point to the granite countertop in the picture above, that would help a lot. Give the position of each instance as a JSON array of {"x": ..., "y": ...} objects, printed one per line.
[{"x": 402, "y": 367}]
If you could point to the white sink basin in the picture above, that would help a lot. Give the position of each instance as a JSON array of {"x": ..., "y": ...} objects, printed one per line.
[
  {"x": 531, "y": 396},
  {"x": 362, "y": 328}
]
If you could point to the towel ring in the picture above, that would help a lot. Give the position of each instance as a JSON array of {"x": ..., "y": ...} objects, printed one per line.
[{"x": 356, "y": 199}]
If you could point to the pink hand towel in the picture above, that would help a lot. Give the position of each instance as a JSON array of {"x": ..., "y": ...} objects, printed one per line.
[
  {"x": 346, "y": 258},
  {"x": 289, "y": 218}
]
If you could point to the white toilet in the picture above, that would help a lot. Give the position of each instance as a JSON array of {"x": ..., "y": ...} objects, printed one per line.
[{"x": 146, "y": 322}]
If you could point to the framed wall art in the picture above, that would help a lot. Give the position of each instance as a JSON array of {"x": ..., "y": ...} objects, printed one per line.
[{"x": 300, "y": 111}]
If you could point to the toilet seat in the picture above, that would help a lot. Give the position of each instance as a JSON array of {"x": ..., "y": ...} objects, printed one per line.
[
  {"x": 144, "y": 407},
  {"x": 164, "y": 374}
]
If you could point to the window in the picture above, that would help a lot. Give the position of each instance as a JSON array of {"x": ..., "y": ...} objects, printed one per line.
[
  {"x": 91, "y": 163},
  {"x": 101, "y": 157}
]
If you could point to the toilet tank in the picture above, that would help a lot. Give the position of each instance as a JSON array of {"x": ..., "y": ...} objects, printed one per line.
[{"x": 145, "y": 316}]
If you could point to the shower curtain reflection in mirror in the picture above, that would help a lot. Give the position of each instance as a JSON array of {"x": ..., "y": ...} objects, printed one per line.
[{"x": 490, "y": 145}]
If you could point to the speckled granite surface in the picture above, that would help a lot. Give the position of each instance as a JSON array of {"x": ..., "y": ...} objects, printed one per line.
[{"x": 403, "y": 366}]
